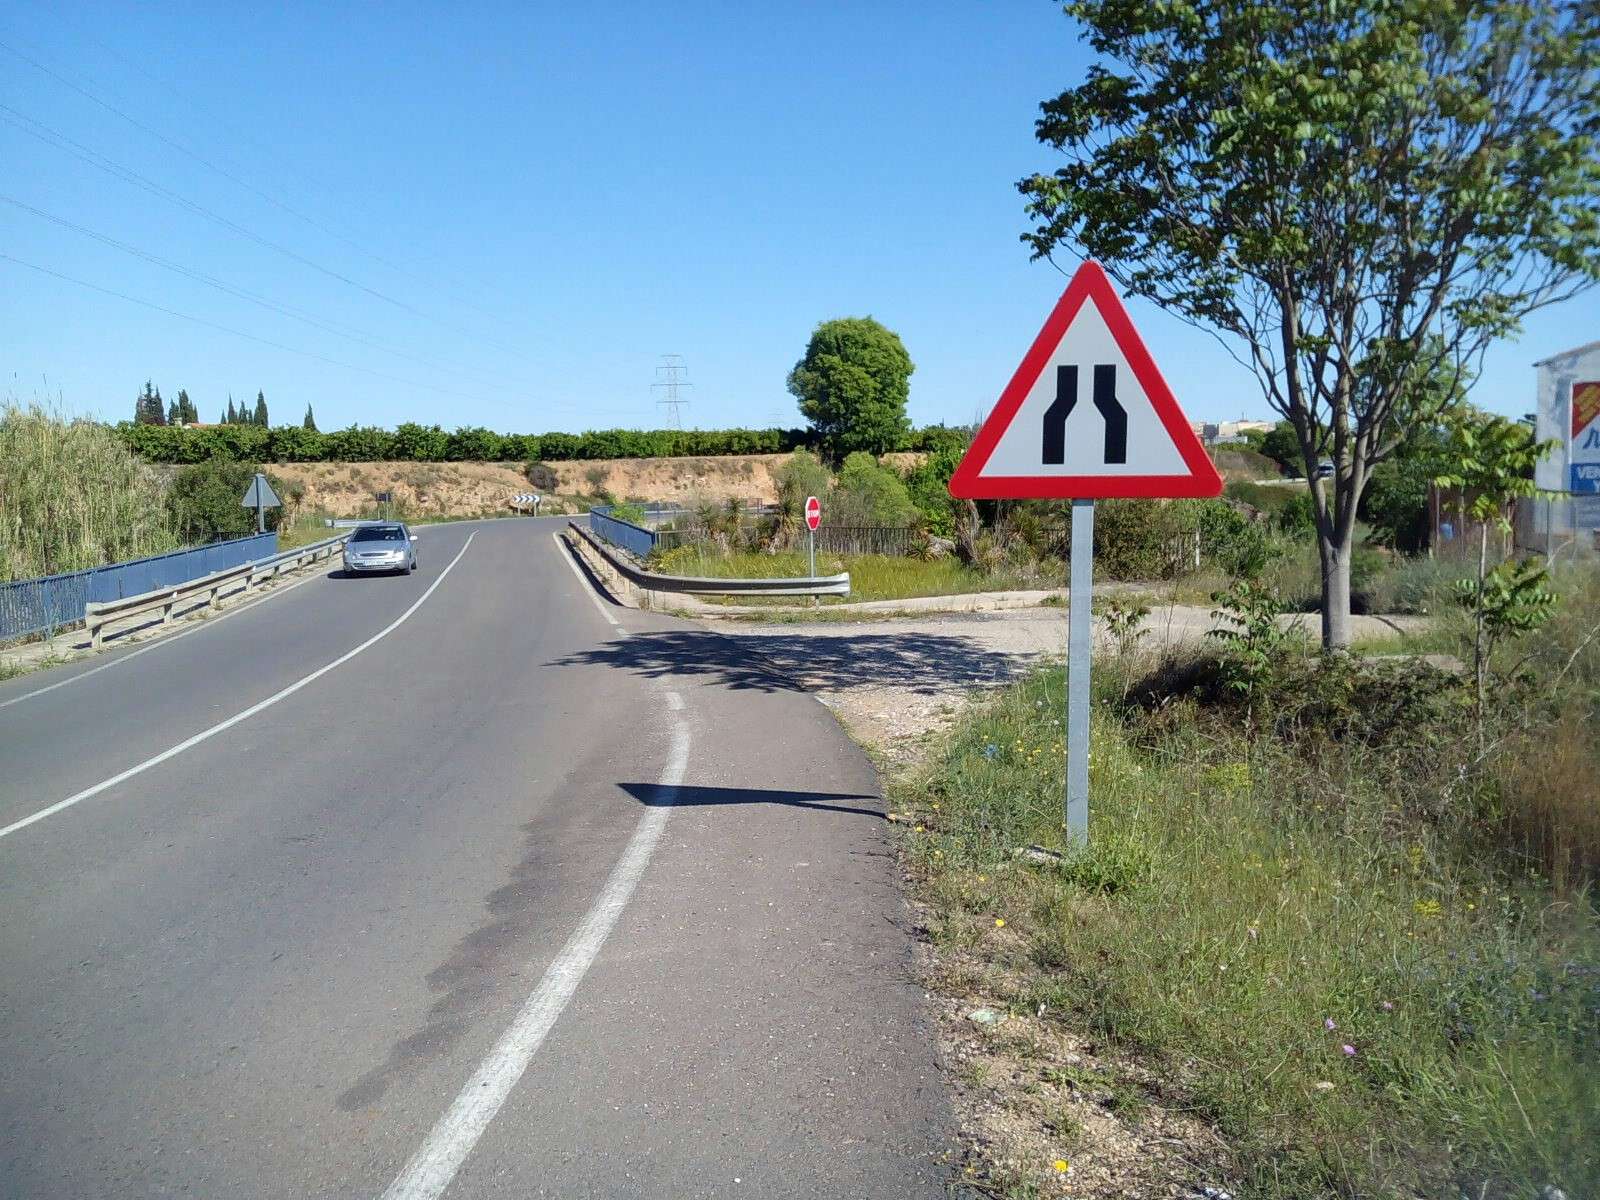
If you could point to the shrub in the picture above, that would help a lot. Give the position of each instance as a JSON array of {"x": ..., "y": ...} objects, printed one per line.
[
  {"x": 870, "y": 494},
  {"x": 204, "y": 501},
  {"x": 929, "y": 486},
  {"x": 800, "y": 476},
  {"x": 630, "y": 512},
  {"x": 543, "y": 477}
]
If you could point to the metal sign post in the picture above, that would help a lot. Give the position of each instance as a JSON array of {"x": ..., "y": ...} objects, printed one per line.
[
  {"x": 1086, "y": 417},
  {"x": 1080, "y": 649},
  {"x": 813, "y": 519},
  {"x": 260, "y": 496}
]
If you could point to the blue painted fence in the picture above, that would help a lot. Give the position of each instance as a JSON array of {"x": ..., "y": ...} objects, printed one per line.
[
  {"x": 635, "y": 539},
  {"x": 44, "y": 605}
]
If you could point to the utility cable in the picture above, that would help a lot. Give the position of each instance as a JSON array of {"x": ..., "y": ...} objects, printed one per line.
[
  {"x": 60, "y": 141},
  {"x": 172, "y": 312},
  {"x": 327, "y": 326},
  {"x": 456, "y": 285}
]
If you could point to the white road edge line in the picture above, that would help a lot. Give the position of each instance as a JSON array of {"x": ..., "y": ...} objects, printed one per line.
[
  {"x": 159, "y": 642},
  {"x": 568, "y": 554},
  {"x": 434, "y": 1165},
  {"x": 204, "y": 734}
]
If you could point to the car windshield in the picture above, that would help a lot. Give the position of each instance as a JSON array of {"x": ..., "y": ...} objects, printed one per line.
[{"x": 379, "y": 533}]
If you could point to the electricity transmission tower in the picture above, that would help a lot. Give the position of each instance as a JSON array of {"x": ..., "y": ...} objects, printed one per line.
[{"x": 670, "y": 376}]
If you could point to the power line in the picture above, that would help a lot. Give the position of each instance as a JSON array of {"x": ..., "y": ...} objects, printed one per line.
[
  {"x": 327, "y": 326},
  {"x": 207, "y": 163},
  {"x": 323, "y": 358},
  {"x": 60, "y": 141},
  {"x": 668, "y": 379}
]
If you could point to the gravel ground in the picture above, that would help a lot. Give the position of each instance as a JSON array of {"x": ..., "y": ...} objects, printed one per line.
[{"x": 895, "y": 684}]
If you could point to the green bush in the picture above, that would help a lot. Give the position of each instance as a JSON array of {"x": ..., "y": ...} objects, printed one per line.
[
  {"x": 204, "y": 501},
  {"x": 929, "y": 487},
  {"x": 802, "y": 475},
  {"x": 870, "y": 494},
  {"x": 630, "y": 512}
]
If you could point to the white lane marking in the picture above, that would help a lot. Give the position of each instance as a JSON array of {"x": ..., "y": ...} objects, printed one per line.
[
  {"x": 439, "y": 1157},
  {"x": 157, "y": 643},
  {"x": 204, "y": 734},
  {"x": 674, "y": 702},
  {"x": 569, "y": 556}
]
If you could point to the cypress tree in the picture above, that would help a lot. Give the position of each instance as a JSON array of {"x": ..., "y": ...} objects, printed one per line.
[
  {"x": 147, "y": 408},
  {"x": 310, "y": 422},
  {"x": 233, "y": 416},
  {"x": 260, "y": 417}
]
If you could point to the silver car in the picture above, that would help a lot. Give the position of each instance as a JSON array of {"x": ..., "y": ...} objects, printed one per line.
[{"x": 388, "y": 547}]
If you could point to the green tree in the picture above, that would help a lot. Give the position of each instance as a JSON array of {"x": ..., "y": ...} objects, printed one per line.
[
  {"x": 188, "y": 414},
  {"x": 852, "y": 386},
  {"x": 204, "y": 501},
  {"x": 1282, "y": 446},
  {"x": 420, "y": 443},
  {"x": 147, "y": 408},
  {"x": 310, "y": 421},
  {"x": 232, "y": 417},
  {"x": 1491, "y": 461},
  {"x": 1360, "y": 195},
  {"x": 259, "y": 417}
]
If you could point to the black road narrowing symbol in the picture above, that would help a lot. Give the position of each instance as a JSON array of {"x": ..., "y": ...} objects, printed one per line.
[{"x": 1105, "y": 400}]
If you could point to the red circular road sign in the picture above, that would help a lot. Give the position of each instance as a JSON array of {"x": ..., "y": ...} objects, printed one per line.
[{"x": 813, "y": 512}]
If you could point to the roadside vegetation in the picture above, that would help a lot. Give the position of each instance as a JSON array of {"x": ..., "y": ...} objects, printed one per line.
[
  {"x": 73, "y": 496},
  {"x": 1314, "y": 913},
  {"x": 872, "y": 576}
]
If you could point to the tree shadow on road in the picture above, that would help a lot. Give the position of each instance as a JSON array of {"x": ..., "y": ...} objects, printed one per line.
[
  {"x": 655, "y": 795},
  {"x": 918, "y": 662}
]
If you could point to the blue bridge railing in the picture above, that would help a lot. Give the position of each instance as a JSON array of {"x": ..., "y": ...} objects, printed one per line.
[
  {"x": 635, "y": 539},
  {"x": 44, "y": 605}
]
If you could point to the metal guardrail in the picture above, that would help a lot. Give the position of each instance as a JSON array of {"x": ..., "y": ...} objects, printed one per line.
[
  {"x": 43, "y": 605},
  {"x": 100, "y": 614},
  {"x": 650, "y": 581},
  {"x": 635, "y": 539}
]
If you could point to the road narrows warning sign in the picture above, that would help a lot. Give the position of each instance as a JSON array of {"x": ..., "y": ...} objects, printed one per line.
[{"x": 1087, "y": 415}]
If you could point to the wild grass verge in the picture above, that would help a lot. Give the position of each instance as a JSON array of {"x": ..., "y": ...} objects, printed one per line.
[
  {"x": 1371, "y": 962},
  {"x": 72, "y": 496}
]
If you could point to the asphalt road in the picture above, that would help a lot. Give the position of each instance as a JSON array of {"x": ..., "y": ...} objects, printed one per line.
[{"x": 451, "y": 883}]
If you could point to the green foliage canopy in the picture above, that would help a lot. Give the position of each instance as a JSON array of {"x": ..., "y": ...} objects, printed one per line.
[
  {"x": 204, "y": 501},
  {"x": 852, "y": 386},
  {"x": 1362, "y": 195}
]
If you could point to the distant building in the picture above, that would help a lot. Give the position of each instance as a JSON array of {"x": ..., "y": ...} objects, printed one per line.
[
  {"x": 1221, "y": 433},
  {"x": 1567, "y": 413}
]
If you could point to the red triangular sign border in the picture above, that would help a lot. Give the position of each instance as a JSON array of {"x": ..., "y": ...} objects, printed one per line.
[{"x": 1089, "y": 282}]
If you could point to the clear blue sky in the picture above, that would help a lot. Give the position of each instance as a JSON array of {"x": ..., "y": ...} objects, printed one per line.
[{"x": 561, "y": 193}]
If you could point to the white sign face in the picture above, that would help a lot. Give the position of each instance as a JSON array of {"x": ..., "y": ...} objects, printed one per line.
[{"x": 1086, "y": 351}]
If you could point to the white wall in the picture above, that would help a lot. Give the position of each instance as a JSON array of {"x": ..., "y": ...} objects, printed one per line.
[{"x": 1566, "y": 522}]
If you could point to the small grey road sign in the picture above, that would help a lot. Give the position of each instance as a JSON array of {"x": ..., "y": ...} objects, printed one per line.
[{"x": 260, "y": 495}]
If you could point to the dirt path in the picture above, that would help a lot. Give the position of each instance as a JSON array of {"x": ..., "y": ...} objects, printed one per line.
[{"x": 897, "y": 683}]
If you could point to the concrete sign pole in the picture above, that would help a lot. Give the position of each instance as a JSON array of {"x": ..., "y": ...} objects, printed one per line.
[{"x": 1080, "y": 647}]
